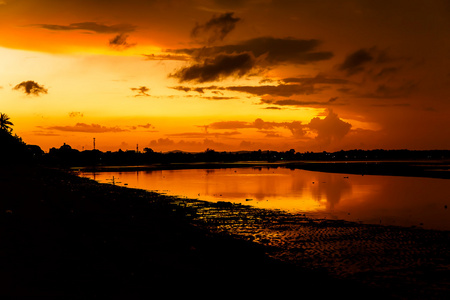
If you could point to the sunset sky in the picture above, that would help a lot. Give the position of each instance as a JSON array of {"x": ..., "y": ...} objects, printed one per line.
[{"x": 227, "y": 75}]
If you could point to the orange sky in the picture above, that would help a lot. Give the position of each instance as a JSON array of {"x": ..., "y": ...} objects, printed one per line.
[{"x": 227, "y": 75}]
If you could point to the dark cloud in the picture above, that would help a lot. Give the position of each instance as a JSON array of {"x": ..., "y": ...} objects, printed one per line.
[
  {"x": 204, "y": 134},
  {"x": 300, "y": 103},
  {"x": 287, "y": 87},
  {"x": 230, "y": 125},
  {"x": 219, "y": 98},
  {"x": 75, "y": 114},
  {"x": 379, "y": 64},
  {"x": 120, "y": 42},
  {"x": 296, "y": 127},
  {"x": 200, "y": 90},
  {"x": 214, "y": 63},
  {"x": 230, "y": 3},
  {"x": 270, "y": 134},
  {"x": 90, "y": 26},
  {"x": 141, "y": 91},
  {"x": 166, "y": 57},
  {"x": 31, "y": 88},
  {"x": 319, "y": 79},
  {"x": 221, "y": 66},
  {"x": 386, "y": 72},
  {"x": 271, "y": 50},
  {"x": 82, "y": 127},
  {"x": 394, "y": 105},
  {"x": 390, "y": 91},
  {"x": 329, "y": 129},
  {"x": 166, "y": 144},
  {"x": 215, "y": 29},
  {"x": 354, "y": 63},
  {"x": 284, "y": 90},
  {"x": 146, "y": 126}
]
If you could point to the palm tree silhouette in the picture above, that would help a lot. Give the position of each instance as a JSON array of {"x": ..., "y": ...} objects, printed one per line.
[{"x": 5, "y": 123}]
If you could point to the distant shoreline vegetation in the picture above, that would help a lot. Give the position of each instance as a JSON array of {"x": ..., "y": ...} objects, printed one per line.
[
  {"x": 65, "y": 156},
  {"x": 14, "y": 151}
]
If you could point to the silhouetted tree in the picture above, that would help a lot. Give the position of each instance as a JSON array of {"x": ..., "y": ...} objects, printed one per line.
[
  {"x": 5, "y": 123},
  {"x": 12, "y": 149}
]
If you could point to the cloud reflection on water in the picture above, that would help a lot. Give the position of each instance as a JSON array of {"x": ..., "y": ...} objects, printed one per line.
[{"x": 387, "y": 200}]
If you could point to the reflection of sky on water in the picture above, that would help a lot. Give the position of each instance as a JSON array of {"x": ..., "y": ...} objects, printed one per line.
[{"x": 389, "y": 200}]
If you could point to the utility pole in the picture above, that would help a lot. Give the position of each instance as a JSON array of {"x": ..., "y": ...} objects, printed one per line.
[
  {"x": 137, "y": 148},
  {"x": 94, "y": 143}
]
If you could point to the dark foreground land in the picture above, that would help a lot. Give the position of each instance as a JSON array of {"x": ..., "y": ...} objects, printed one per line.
[{"x": 65, "y": 236}]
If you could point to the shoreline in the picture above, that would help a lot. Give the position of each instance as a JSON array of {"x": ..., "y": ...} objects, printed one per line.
[
  {"x": 65, "y": 234},
  {"x": 411, "y": 168}
]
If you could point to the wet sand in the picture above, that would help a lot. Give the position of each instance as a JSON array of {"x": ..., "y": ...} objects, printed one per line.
[{"x": 66, "y": 236}]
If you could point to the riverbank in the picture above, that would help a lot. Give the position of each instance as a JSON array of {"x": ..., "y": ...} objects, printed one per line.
[{"x": 66, "y": 236}]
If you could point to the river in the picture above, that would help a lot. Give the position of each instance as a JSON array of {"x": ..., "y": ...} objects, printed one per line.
[{"x": 369, "y": 199}]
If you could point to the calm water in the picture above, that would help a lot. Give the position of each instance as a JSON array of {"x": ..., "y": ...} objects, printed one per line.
[{"x": 388, "y": 200}]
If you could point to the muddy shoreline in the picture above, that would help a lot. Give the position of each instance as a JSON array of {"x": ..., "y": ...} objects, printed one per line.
[{"x": 69, "y": 236}]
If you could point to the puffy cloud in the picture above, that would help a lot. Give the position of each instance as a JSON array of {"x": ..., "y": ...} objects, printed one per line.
[
  {"x": 221, "y": 66},
  {"x": 82, "y": 127},
  {"x": 31, "y": 88},
  {"x": 120, "y": 42},
  {"x": 329, "y": 129},
  {"x": 215, "y": 29},
  {"x": 90, "y": 26}
]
